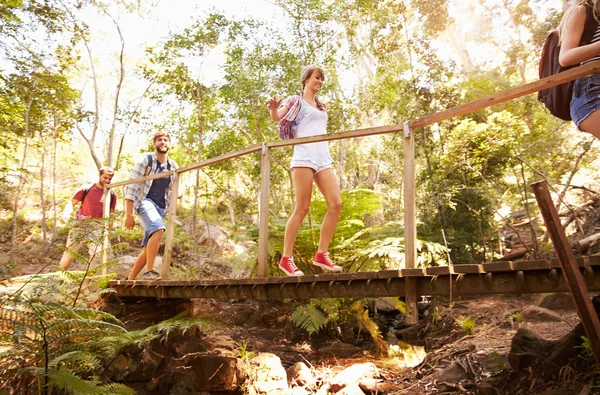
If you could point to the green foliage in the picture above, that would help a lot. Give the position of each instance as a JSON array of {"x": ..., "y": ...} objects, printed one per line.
[
  {"x": 466, "y": 324},
  {"x": 55, "y": 343},
  {"x": 243, "y": 353},
  {"x": 312, "y": 317},
  {"x": 318, "y": 314}
]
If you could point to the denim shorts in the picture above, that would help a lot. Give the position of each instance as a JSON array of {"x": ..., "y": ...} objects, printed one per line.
[
  {"x": 310, "y": 164},
  {"x": 586, "y": 97},
  {"x": 151, "y": 217}
]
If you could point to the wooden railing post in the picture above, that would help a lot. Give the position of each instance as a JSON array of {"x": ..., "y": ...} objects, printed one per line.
[
  {"x": 410, "y": 224},
  {"x": 566, "y": 258},
  {"x": 106, "y": 222},
  {"x": 166, "y": 265},
  {"x": 263, "y": 212}
]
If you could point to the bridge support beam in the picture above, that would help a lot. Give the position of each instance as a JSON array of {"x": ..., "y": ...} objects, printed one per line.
[
  {"x": 410, "y": 224},
  {"x": 570, "y": 269},
  {"x": 263, "y": 222}
]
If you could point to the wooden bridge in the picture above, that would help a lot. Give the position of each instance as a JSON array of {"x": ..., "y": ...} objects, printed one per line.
[
  {"x": 541, "y": 276},
  {"x": 566, "y": 274}
]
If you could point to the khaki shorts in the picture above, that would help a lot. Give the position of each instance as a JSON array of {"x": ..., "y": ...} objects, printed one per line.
[{"x": 86, "y": 233}]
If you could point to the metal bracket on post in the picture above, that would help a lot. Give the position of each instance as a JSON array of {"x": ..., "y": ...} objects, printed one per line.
[
  {"x": 264, "y": 148},
  {"x": 406, "y": 129}
]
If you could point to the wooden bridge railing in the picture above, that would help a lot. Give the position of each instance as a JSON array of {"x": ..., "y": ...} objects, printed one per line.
[{"x": 407, "y": 128}]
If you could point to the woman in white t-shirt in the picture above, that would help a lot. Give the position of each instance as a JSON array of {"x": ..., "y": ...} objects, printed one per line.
[{"x": 311, "y": 162}]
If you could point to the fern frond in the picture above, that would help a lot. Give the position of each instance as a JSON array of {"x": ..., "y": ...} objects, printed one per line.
[
  {"x": 116, "y": 389},
  {"x": 309, "y": 318},
  {"x": 363, "y": 319},
  {"x": 68, "y": 381}
]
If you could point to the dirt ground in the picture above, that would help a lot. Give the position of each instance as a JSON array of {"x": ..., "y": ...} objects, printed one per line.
[{"x": 266, "y": 327}]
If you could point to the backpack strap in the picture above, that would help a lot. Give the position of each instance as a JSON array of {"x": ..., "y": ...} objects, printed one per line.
[
  {"x": 149, "y": 165},
  {"x": 86, "y": 190}
]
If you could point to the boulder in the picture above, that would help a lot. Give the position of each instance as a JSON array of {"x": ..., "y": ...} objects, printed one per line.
[
  {"x": 453, "y": 374},
  {"x": 353, "y": 375},
  {"x": 534, "y": 313},
  {"x": 558, "y": 302},
  {"x": 268, "y": 376},
  {"x": 526, "y": 349},
  {"x": 300, "y": 374}
]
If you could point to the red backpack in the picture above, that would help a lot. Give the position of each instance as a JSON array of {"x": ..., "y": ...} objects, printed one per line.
[{"x": 557, "y": 99}]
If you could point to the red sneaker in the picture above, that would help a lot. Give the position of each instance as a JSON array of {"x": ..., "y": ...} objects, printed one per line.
[
  {"x": 287, "y": 265},
  {"x": 323, "y": 261}
]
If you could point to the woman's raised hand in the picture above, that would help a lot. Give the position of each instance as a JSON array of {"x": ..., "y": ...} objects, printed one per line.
[{"x": 274, "y": 103}]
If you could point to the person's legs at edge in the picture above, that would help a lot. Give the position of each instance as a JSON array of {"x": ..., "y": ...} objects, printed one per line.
[
  {"x": 591, "y": 124},
  {"x": 67, "y": 258},
  {"x": 327, "y": 183},
  {"x": 147, "y": 256},
  {"x": 303, "y": 179},
  {"x": 140, "y": 262},
  {"x": 152, "y": 249}
]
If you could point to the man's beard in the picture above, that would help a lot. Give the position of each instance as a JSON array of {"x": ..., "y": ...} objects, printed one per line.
[{"x": 162, "y": 150}]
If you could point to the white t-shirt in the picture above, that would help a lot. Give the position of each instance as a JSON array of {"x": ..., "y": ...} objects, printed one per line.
[{"x": 311, "y": 122}]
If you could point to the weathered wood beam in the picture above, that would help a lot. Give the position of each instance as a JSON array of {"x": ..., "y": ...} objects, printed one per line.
[{"x": 570, "y": 269}]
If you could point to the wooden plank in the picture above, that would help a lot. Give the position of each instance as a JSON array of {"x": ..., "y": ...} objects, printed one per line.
[
  {"x": 503, "y": 266},
  {"x": 461, "y": 269},
  {"x": 575, "y": 280},
  {"x": 221, "y": 158},
  {"x": 488, "y": 101},
  {"x": 594, "y": 260},
  {"x": 532, "y": 265},
  {"x": 508, "y": 94},
  {"x": 263, "y": 222},
  {"x": 418, "y": 272},
  {"x": 439, "y": 270},
  {"x": 338, "y": 136},
  {"x": 389, "y": 273},
  {"x": 410, "y": 224},
  {"x": 163, "y": 174},
  {"x": 168, "y": 254}
]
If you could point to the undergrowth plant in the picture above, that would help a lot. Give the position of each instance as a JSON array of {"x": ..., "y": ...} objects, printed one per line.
[
  {"x": 53, "y": 340},
  {"x": 318, "y": 314},
  {"x": 466, "y": 324}
]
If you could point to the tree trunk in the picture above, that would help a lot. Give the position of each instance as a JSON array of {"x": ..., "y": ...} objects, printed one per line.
[
  {"x": 42, "y": 197},
  {"x": 54, "y": 146},
  {"x": 111, "y": 132},
  {"x": 230, "y": 203},
  {"x": 22, "y": 175}
]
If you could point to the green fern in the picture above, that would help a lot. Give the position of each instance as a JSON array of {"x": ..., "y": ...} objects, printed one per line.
[
  {"x": 363, "y": 319},
  {"x": 309, "y": 318}
]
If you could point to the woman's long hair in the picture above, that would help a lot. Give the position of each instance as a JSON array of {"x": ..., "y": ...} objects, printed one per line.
[{"x": 595, "y": 4}]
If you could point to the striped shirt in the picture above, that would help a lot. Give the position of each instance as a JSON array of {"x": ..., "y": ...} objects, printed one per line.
[{"x": 595, "y": 38}]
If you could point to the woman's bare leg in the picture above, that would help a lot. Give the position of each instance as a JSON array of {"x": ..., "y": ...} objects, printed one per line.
[
  {"x": 591, "y": 124},
  {"x": 328, "y": 185},
  {"x": 303, "y": 179}
]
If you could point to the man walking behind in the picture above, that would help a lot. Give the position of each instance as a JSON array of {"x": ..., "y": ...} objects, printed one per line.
[
  {"x": 85, "y": 229},
  {"x": 150, "y": 200}
]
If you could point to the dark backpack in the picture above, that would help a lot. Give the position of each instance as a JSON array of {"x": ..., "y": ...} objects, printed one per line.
[{"x": 557, "y": 99}]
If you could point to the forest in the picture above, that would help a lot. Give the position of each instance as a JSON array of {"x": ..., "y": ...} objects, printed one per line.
[{"x": 87, "y": 83}]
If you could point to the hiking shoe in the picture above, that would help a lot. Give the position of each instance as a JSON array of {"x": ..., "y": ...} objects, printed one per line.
[
  {"x": 289, "y": 267},
  {"x": 323, "y": 261},
  {"x": 151, "y": 275}
]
